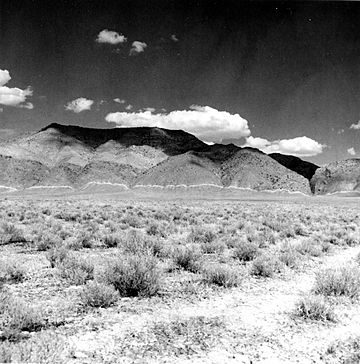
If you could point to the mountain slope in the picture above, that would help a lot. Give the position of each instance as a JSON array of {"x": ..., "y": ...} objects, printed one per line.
[
  {"x": 63, "y": 155},
  {"x": 296, "y": 164},
  {"x": 337, "y": 177}
]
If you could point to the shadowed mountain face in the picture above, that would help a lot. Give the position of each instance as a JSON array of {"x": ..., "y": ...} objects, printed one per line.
[
  {"x": 74, "y": 156},
  {"x": 340, "y": 176},
  {"x": 296, "y": 164}
]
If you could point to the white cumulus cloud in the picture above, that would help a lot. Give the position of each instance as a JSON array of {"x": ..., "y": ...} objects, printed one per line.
[
  {"x": 13, "y": 96},
  {"x": 355, "y": 126},
  {"x": 299, "y": 146},
  {"x": 79, "y": 105},
  {"x": 205, "y": 122},
  {"x": 119, "y": 101},
  {"x": 351, "y": 151},
  {"x": 137, "y": 47},
  {"x": 111, "y": 37}
]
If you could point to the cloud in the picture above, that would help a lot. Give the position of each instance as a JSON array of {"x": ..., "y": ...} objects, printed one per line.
[
  {"x": 4, "y": 77},
  {"x": 351, "y": 151},
  {"x": 79, "y": 105},
  {"x": 204, "y": 122},
  {"x": 111, "y": 37},
  {"x": 119, "y": 101},
  {"x": 129, "y": 107},
  {"x": 13, "y": 96},
  {"x": 355, "y": 126},
  {"x": 174, "y": 38},
  {"x": 137, "y": 47},
  {"x": 299, "y": 146}
]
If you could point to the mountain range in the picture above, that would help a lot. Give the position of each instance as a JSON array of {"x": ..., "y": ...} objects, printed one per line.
[{"x": 65, "y": 155}]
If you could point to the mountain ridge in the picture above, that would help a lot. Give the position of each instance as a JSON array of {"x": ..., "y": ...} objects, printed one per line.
[{"x": 74, "y": 155}]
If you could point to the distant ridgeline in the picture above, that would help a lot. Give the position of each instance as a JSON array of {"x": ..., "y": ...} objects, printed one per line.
[{"x": 75, "y": 158}]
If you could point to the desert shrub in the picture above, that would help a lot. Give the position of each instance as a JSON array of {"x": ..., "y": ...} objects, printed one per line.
[
  {"x": 132, "y": 221},
  {"x": 134, "y": 275},
  {"x": 76, "y": 270},
  {"x": 112, "y": 240},
  {"x": 290, "y": 258},
  {"x": 10, "y": 234},
  {"x": 299, "y": 229},
  {"x": 46, "y": 241},
  {"x": 17, "y": 316},
  {"x": 155, "y": 229},
  {"x": 86, "y": 239},
  {"x": 246, "y": 251},
  {"x": 95, "y": 294},
  {"x": 265, "y": 265},
  {"x": 352, "y": 239},
  {"x": 216, "y": 246},
  {"x": 187, "y": 257},
  {"x": 345, "y": 351},
  {"x": 45, "y": 347},
  {"x": 309, "y": 247},
  {"x": 201, "y": 236},
  {"x": 342, "y": 281},
  {"x": 181, "y": 336},
  {"x": 12, "y": 272},
  {"x": 56, "y": 255},
  {"x": 136, "y": 242},
  {"x": 314, "y": 308},
  {"x": 221, "y": 275}
]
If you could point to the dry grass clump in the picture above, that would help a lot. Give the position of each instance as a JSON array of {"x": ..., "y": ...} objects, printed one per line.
[
  {"x": 12, "y": 272},
  {"x": 76, "y": 270},
  {"x": 342, "y": 281},
  {"x": 246, "y": 251},
  {"x": 188, "y": 258},
  {"x": 222, "y": 275},
  {"x": 265, "y": 265},
  {"x": 17, "y": 316},
  {"x": 47, "y": 240},
  {"x": 96, "y": 294},
  {"x": 345, "y": 352},
  {"x": 311, "y": 247},
  {"x": 112, "y": 240},
  {"x": 134, "y": 275},
  {"x": 179, "y": 337},
  {"x": 314, "y": 308},
  {"x": 201, "y": 235},
  {"x": 45, "y": 347},
  {"x": 56, "y": 255},
  {"x": 214, "y": 247},
  {"x": 10, "y": 234}
]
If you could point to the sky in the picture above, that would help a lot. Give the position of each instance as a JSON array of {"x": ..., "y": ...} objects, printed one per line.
[{"x": 279, "y": 76}]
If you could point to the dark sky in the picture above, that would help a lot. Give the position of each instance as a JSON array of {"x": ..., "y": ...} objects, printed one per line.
[{"x": 291, "y": 69}]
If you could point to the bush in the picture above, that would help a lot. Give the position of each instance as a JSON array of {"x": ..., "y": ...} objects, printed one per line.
[
  {"x": 96, "y": 294},
  {"x": 56, "y": 256},
  {"x": 12, "y": 272},
  {"x": 155, "y": 229},
  {"x": 216, "y": 246},
  {"x": 17, "y": 316},
  {"x": 136, "y": 242},
  {"x": 289, "y": 258},
  {"x": 314, "y": 308},
  {"x": 221, "y": 275},
  {"x": 11, "y": 234},
  {"x": 309, "y": 247},
  {"x": 187, "y": 257},
  {"x": 246, "y": 251},
  {"x": 112, "y": 240},
  {"x": 46, "y": 347},
  {"x": 201, "y": 236},
  {"x": 76, "y": 270},
  {"x": 343, "y": 281},
  {"x": 46, "y": 241},
  {"x": 134, "y": 275},
  {"x": 86, "y": 239},
  {"x": 265, "y": 266}
]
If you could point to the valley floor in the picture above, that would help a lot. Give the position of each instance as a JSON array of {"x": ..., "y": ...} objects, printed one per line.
[{"x": 205, "y": 281}]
